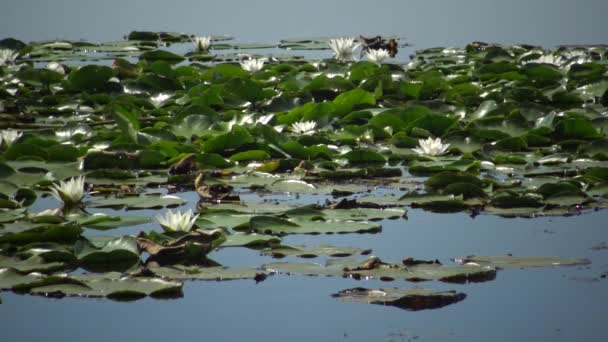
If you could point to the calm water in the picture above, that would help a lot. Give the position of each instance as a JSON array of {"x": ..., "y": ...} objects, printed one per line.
[
  {"x": 424, "y": 23},
  {"x": 557, "y": 304},
  {"x": 554, "y": 304}
]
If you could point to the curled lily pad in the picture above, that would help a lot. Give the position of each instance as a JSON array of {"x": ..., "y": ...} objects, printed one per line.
[
  {"x": 107, "y": 254},
  {"x": 193, "y": 246},
  {"x": 408, "y": 299}
]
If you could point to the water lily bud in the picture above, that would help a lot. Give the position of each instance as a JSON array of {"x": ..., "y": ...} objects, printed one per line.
[{"x": 56, "y": 67}]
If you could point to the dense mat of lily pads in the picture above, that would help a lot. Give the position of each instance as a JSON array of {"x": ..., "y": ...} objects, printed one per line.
[{"x": 486, "y": 129}]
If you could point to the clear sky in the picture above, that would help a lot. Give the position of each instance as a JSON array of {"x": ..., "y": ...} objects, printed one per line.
[{"x": 424, "y": 22}]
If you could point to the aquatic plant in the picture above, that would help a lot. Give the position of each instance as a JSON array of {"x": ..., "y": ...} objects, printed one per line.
[
  {"x": 431, "y": 147},
  {"x": 343, "y": 48},
  {"x": 69, "y": 192},
  {"x": 176, "y": 221},
  {"x": 376, "y": 56},
  {"x": 201, "y": 44},
  {"x": 253, "y": 65},
  {"x": 304, "y": 127},
  {"x": 8, "y": 57},
  {"x": 9, "y": 136}
]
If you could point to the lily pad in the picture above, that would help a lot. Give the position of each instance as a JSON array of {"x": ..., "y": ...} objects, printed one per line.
[
  {"x": 112, "y": 285},
  {"x": 250, "y": 240},
  {"x": 278, "y": 226},
  {"x": 313, "y": 252},
  {"x": 217, "y": 273},
  {"x": 139, "y": 202},
  {"x": 509, "y": 261},
  {"x": 408, "y": 299},
  {"x": 102, "y": 253},
  {"x": 34, "y": 263}
]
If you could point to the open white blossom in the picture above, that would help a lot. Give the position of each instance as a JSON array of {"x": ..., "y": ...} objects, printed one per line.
[
  {"x": 431, "y": 147},
  {"x": 8, "y": 57},
  {"x": 9, "y": 136},
  {"x": 548, "y": 59},
  {"x": 160, "y": 98},
  {"x": 201, "y": 44},
  {"x": 177, "y": 221},
  {"x": 69, "y": 192},
  {"x": 68, "y": 132},
  {"x": 250, "y": 119},
  {"x": 343, "y": 48},
  {"x": 376, "y": 56},
  {"x": 304, "y": 127},
  {"x": 252, "y": 65}
]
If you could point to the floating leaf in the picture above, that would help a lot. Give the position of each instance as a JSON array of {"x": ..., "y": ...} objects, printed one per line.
[
  {"x": 509, "y": 261},
  {"x": 107, "y": 254},
  {"x": 408, "y": 299},
  {"x": 139, "y": 202},
  {"x": 181, "y": 272},
  {"x": 112, "y": 285},
  {"x": 278, "y": 226}
]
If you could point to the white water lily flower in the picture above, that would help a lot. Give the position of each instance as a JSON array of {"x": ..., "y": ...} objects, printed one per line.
[
  {"x": 431, "y": 147},
  {"x": 69, "y": 192},
  {"x": 252, "y": 65},
  {"x": 250, "y": 119},
  {"x": 377, "y": 56},
  {"x": 201, "y": 44},
  {"x": 8, "y": 57},
  {"x": 343, "y": 48},
  {"x": 304, "y": 127},
  {"x": 56, "y": 67},
  {"x": 160, "y": 99},
  {"x": 9, "y": 136},
  {"x": 177, "y": 221},
  {"x": 68, "y": 133},
  {"x": 548, "y": 59},
  {"x": 487, "y": 165}
]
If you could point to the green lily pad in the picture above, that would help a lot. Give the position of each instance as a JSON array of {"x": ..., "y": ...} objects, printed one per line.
[
  {"x": 509, "y": 261},
  {"x": 408, "y": 299},
  {"x": 34, "y": 263},
  {"x": 424, "y": 271},
  {"x": 10, "y": 278},
  {"x": 180, "y": 272},
  {"x": 278, "y": 226},
  {"x": 61, "y": 233},
  {"x": 250, "y": 240},
  {"x": 112, "y": 285},
  {"x": 313, "y": 252},
  {"x": 139, "y": 202},
  {"x": 309, "y": 269},
  {"x": 105, "y": 222},
  {"x": 106, "y": 253}
]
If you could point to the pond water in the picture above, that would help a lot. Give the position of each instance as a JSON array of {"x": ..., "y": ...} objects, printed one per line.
[
  {"x": 558, "y": 304},
  {"x": 553, "y": 304},
  {"x": 423, "y": 23}
]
